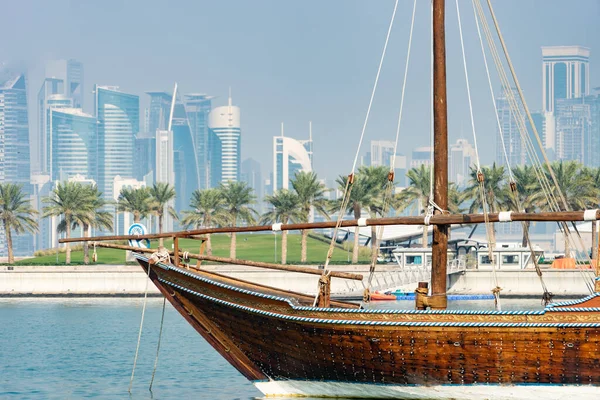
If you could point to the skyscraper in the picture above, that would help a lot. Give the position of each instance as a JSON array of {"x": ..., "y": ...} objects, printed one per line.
[
  {"x": 574, "y": 130},
  {"x": 118, "y": 116},
  {"x": 14, "y": 146},
  {"x": 71, "y": 73},
  {"x": 566, "y": 74},
  {"x": 462, "y": 156},
  {"x": 198, "y": 107},
  {"x": 224, "y": 144},
  {"x": 381, "y": 152},
  {"x": 509, "y": 137},
  {"x": 157, "y": 115},
  {"x": 290, "y": 156},
  {"x": 184, "y": 154},
  {"x": 74, "y": 144},
  {"x": 421, "y": 156}
]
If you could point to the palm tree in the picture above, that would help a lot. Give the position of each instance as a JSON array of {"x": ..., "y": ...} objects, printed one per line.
[
  {"x": 16, "y": 214},
  {"x": 416, "y": 193},
  {"x": 206, "y": 210},
  {"x": 238, "y": 198},
  {"x": 311, "y": 194},
  {"x": 286, "y": 207},
  {"x": 360, "y": 197},
  {"x": 577, "y": 188},
  {"x": 97, "y": 217},
  {"x": 71, "y": 201},
  {"x": 496, "y": 195},
  {"x": 161, "y": 194},
  {"x": 135, "y": 201},
  {"x": 530, "y": 196},
  {"x": 376, "y": 178}
]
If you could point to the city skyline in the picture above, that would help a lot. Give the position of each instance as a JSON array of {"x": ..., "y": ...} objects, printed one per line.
[{"x": 279, "y": 83}]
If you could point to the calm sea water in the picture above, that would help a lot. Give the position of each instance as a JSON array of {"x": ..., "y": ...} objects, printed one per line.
[{"x": 84, "y": 348}]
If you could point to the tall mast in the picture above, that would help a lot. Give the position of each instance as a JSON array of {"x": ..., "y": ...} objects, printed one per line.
[{"x": 440, "y": 154}]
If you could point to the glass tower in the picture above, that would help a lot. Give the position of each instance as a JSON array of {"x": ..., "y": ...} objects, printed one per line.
[
  {"x": 198, "y": 107},
  {"x": 74, "y": 144},
  {"x": 224, "y": 144},
  {"x": 71, "y": 73},
  {"x": 566, "y": 74},
  {"x": 14, "y": 146},
  {"x": 118, "y": 116}
]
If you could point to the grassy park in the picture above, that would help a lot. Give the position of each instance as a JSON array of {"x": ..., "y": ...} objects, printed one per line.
[{"x": 257, "y": 247}]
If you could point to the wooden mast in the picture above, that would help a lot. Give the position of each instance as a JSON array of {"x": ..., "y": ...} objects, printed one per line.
[{"x": 439, "y": 251}]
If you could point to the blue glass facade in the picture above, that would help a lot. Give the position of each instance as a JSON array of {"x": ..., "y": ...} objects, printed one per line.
[
  {"x": 186, "y": 170},
  {"x": 198, "y": 106},
  {"x": 118, "y": 116},
  {"x": 74, "y": 144},
  {"x": 14, "y": 147}
]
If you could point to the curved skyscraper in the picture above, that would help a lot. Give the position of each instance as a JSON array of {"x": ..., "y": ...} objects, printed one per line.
[
  {"x": 224, "y": 144},
  {"x": 290, "y": 156},
  {"x": 118, "y": 123},
  {"x": 73, "y": 144}
]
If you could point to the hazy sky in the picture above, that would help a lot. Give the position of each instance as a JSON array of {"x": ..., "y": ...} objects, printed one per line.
[{"x": 294, "y": 61}]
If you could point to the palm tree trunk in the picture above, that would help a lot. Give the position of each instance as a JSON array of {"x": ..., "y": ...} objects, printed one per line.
[
  {"x": 303, "y": 245},
  {"x": 284, "y": 247},
  {"x": 160, "y": 229},
  {"x": 9, "y": 245},
  {"x": 136, "y": 217},
  {"x": 86, "y": 246},
  {"x": 232, "y": 246},
  {"x": 67, "y": 246}
]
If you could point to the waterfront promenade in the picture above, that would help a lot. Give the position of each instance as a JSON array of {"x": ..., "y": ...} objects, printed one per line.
[{"x": 130, "y": 280}]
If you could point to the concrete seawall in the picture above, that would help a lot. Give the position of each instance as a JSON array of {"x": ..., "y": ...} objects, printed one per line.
[{"x": 130, "y": 280}]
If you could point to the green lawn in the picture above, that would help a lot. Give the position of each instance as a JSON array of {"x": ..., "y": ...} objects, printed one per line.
[{"x": 257, "y": 247}]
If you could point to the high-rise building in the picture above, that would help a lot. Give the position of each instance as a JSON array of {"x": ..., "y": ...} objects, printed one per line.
[
  {"x": 224, "y": 144},
  {"x": 156, "y": 118},
  {"x": 74, "y": 145},
  {"x": 118, "y": 116},
  {"x": 71, "y": 73},
  {"x": 462, "y": 156},
  {"x": 289, "y": 157},
  {"x": 421, "y": 156},
  {"x": 509, "y": 138},
  {"x": 184, "y": 154},
  {"x": 574, "y": 131},
  {"x": 566, "y": 74},
  {"x": 198, "y": 107},
  {"x": 14, "y": 146},
  {"x": 381, "y": 153},
  {"x": 51, "y": 88}
]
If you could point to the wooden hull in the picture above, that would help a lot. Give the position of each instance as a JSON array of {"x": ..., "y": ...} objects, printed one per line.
[{"x": 277, "y": 340}]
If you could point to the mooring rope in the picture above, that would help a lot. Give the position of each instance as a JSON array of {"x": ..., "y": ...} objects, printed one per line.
[
  {"x": 162, "y": 320},
  {"x": 137, "y": 349}
]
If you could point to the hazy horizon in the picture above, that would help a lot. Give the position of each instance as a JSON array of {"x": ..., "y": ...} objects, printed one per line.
[{"x": 295, "y": 62}]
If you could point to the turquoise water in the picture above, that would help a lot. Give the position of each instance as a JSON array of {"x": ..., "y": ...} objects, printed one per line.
[{"x": 84, "y": 348}]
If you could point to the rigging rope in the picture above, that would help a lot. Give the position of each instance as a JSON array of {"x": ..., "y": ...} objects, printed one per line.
[
  {"x": 520, "y": 120},
  {"x": 489, "y": 227},
  {"x": 137, "y": 348},
  {"x": 388, "y": 191},
  {"x": 348, "y": 188}
]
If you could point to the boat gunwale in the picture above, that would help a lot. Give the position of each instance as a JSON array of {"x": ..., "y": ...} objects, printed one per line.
[{"x": 554, "y": 307}]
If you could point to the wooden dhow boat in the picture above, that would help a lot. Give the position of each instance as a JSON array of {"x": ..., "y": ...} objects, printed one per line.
[{"x": 293, "y": 344}]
